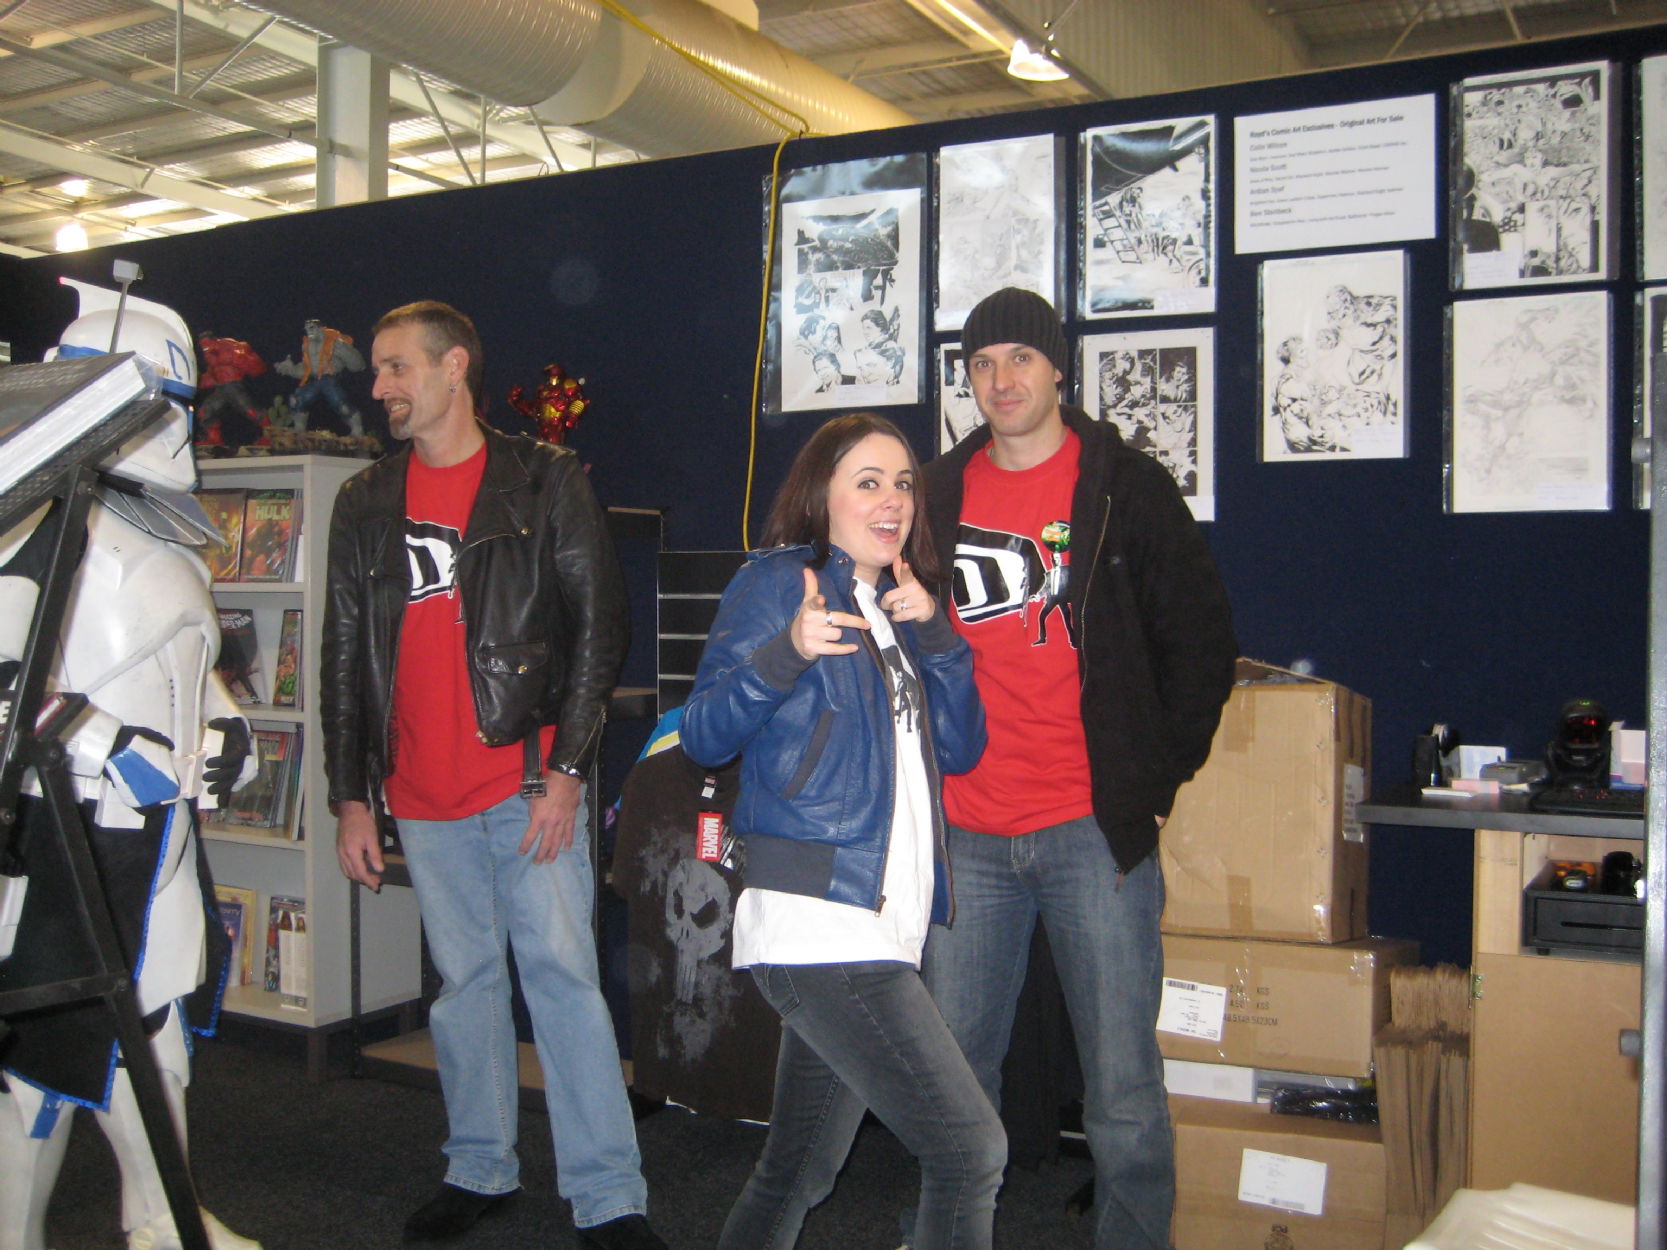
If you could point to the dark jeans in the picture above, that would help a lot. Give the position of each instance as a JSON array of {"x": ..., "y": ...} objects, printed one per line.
[
  {"x": 866, "y": 1036},
  {"x": 1103, "y": 928}
]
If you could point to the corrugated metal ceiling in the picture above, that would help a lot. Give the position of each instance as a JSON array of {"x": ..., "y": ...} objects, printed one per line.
[{"x": 60, "y": 114}]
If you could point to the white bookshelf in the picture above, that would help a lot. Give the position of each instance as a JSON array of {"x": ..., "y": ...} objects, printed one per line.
[{"x": 270, "y": 861}]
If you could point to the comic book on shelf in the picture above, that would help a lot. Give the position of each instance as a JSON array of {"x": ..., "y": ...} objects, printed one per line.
[
  {"x": 285, "y": 970},
  {"x": 237, "y": 915},
  {"x": 271, "y": 530},
  {"x": 225, "y": 508},
  {"x": 286, "y": 669},
  {"x": 239, "y": 660},
  {"x": 266, "y": 802}
]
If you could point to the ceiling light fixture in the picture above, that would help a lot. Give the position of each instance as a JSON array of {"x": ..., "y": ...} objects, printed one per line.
[
  {"x": 1034, "y": 64},
  {"x": 75, "y": 188},
  {"x": 1038, "y": 64},
  {"x": 71, "y": 237}
]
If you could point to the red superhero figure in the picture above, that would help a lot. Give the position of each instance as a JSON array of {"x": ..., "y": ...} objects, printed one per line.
[
  {"x": 555, "y": 405},
  {"x": 226, "y": 363}
]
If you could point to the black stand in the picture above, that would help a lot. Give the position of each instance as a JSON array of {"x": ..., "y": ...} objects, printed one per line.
[{"x": 69, "y": 478}]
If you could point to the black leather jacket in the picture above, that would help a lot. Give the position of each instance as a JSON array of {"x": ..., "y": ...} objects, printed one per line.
[{"x": 543, "y": 601}]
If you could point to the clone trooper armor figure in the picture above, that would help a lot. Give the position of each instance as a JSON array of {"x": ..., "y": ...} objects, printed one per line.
[{"x": 139, "y": 639}]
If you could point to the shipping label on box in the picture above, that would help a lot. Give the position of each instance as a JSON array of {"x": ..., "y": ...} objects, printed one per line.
[
  {"x": 1264, "y": 841},
  {"x": 1298, "y": 1006},
  {"x": 1191, "y": 1009},
  {"x": 1288, "y": 1182}
]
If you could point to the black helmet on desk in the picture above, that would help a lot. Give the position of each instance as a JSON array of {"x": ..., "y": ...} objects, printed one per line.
[{"x": 1579, "y": 754}]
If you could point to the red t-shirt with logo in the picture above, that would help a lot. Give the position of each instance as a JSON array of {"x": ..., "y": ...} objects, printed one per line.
[
  {"x": 1012, "y": 569},
  {"x": 441, "y": 768}
]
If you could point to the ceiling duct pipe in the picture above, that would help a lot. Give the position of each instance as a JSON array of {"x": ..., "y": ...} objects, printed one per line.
[{"x": 575, "y": 64}]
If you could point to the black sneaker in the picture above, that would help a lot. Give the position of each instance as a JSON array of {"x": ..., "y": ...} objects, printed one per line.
[
  {"x": 450, "y": 1213},
  {"x": 628, "y": 1232}
]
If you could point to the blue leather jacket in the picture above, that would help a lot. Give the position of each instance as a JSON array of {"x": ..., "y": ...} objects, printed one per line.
[{"x": 818, "y": 763}]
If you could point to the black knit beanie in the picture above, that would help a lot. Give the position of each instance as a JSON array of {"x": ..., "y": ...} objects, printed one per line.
[{"x": 1015, "y": 316}]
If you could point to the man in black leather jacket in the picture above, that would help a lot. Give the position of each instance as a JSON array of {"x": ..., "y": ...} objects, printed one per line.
[{"x": 475, "y": 621}]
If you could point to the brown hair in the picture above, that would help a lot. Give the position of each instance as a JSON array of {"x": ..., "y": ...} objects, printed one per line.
[
  {"x": 443, "y": 329},
  {"x": 800, "y": 511}
]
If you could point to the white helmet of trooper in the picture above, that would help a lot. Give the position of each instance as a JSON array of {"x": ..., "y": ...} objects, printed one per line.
[{"x": 160, "y": 455}]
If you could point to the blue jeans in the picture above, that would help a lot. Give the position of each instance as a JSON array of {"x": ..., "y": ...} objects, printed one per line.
[
  {"x": 863, "y": 1036},
  {"x": 1103, "y": 929},
  {"x": 477, "y": 896}
]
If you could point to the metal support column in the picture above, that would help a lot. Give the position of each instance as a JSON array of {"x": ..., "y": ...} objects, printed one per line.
[
  {"x": 1650, "y": 1045},
  {"x": 353, "y": 117}
]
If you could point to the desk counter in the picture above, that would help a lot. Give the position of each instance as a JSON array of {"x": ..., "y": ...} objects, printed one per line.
[{"x": 1409, "y": 807}]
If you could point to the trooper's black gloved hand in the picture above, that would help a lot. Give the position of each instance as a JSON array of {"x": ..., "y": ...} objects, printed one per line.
[{"x": 220, "y": 772}]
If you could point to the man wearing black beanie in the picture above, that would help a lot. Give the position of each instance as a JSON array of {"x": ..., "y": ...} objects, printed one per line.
[{"x": 1103, "y": 648}]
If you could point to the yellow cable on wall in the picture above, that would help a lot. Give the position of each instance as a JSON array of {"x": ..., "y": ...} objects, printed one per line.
[
  {"x": 763, "y": 339},
  {"x": 761, "y": 104}
]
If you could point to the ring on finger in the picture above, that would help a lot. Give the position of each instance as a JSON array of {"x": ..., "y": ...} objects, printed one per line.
[{"x": 828, "y": 619}]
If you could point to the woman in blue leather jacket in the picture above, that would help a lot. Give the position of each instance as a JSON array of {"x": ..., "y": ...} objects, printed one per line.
[{"x": 834, "y": 675}]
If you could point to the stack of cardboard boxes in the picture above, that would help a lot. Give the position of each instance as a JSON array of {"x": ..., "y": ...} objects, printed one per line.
[{"x": 1270, "y": 976}]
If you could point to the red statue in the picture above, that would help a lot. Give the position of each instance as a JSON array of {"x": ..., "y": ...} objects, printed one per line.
[
  {"x": 226, "y": 363},
  {"x": 555, "y": 404}
]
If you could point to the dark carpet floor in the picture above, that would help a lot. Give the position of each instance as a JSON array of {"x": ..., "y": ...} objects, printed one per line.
[{"x": 339, "y": 1164}]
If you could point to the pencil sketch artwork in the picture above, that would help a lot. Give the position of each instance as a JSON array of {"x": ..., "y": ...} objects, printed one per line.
[
  {"x": 996, "y": 222},
  {"x": 1652, "y": 151},
  {"x": 1531, "y": 184},
  {"x": 1158, "y": 389},
  {"x": 958, "y": 413},
  {"x": 1529, "y": 425},
  {"x": 1333, "y": 377},
  {"x": 1148, "y": 242},
  {"x": 851, "y": 284}
]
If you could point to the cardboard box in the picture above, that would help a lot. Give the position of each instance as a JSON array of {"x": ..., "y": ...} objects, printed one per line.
[
  {"x": 1300, "y": 1006},
  {"x": 1249, "y": 1180},
  {"x": 1264, "y": 841},
  {"x": 1227, "y": 1081},
  {"x": 1553, "y": 1102}
]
